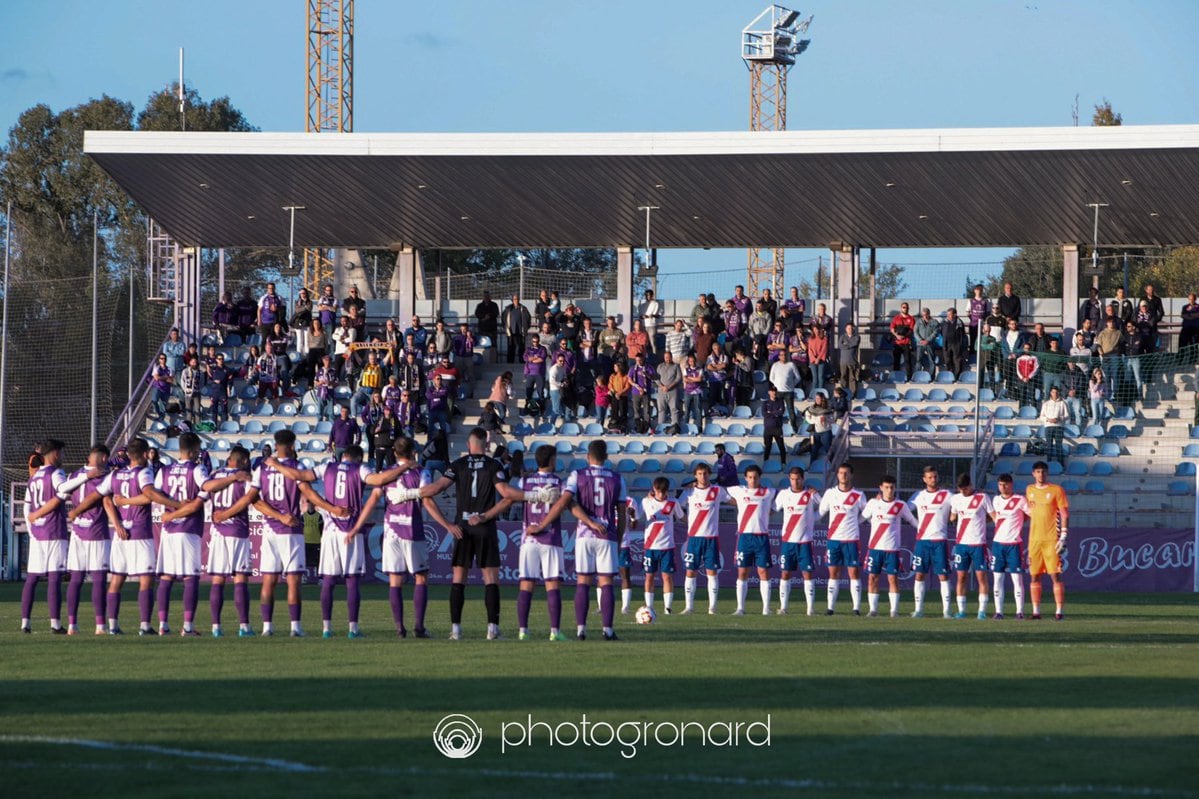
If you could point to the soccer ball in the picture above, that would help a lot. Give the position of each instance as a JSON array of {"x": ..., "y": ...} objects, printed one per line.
[{"x": 646, "y": 615}]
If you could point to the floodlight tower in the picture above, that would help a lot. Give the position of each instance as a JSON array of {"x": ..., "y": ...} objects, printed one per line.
[
  {"x": 769, "y": 46},
  {"x": 330, "y": 98}
]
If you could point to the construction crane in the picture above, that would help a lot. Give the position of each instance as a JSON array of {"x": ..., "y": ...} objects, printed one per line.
[
  {"x": 769, "y": 46},
  {"x": 330, "y": 101}
]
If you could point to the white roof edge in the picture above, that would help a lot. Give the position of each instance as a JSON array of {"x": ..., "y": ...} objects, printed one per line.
[{"x": 799, "y": 142}]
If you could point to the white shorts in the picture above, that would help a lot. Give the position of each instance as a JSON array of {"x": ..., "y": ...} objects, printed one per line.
[
  {"x": 88, "y": 556},
  {"x": 179, "y": 555},
  {"x": 133, "y": 558},
  {"x": 46, "y": 556},
  {"x": 228, "y": 555},
  {"x": 403, "y": 556},
  {"x": 282, "y": 553},
  {"x": 595, "y": 556},
  {"x": 339, "y": 558},
  {"x": 540, "y": 561}
]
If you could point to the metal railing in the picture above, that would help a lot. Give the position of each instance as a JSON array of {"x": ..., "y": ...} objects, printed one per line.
[
  {"x": 130, "y": 419},
  {"x": 15, "y": 532}
]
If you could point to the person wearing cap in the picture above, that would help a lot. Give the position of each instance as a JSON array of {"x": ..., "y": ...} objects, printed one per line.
[
  {"x": 451, "y": 379},
  {"x": 464, "y": 359}
]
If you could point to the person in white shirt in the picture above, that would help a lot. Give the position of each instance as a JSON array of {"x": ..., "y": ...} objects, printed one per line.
[
  {"x": 886, "y": 514},
  {"x": 931, "y": 506},
  {"x": 800, "y": 507},
  {"x": 660, "y": 512},
  {"x": 785, "y": 377},
  {"x": 1010, "y": 511},
  {"x": 678, "y": 341},
  {"x": 844, "y": 506},
  {"x": 343, "y": 336},
  {"x": 1054, "y": 414},
  {"x": 969, "y": 510},
  {"x": 754, "y": 503},
  {"x": 651, "y": 314},
  {"x": 702, "y": 501}
]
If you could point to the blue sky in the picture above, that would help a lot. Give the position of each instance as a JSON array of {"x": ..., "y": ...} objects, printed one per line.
[{"x": 533, "y": 65}]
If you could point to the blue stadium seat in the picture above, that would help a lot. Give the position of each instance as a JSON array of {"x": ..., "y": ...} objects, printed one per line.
[
  {"x": 1190, "y": 451},
  {"x": 799, "y": 394},
  {"x": 1184, "y": 469},
  {"x": 246, "y": 443},
  {"x": 650, "y": 466},
  {"x": 615, "y": 447},
  {"x": 634, "y": 448},
  {"x": 1094, "y": 431},
  {"x": 1023, "y": 468},
  {"x": 759, "y": 429},
  {"x": 713, "y": 430},
  {"x": 956, "y": 412},
  {"x": 903, "y": 427},
  {"x": 690, "y": 429},
  {"x": 570, "y": 429},
  {"x": 642, "y": 483},
  {"x": 1117, "y": 431},
  {"x": 593, "y": 429},
  {"x": 533, "y": 445},
  {"x": 1102, "y": 469},
  {"x": 1109, "y": 449},
  {"x": 691, "y": 467},
  {"x": 949, "y": 428},
  {"x": 1085, "y": 450},
  {"x": 945, "y": 377},
  {"x": 1028, "y": 412},
  {"x": 659, "y": 448},
  {"x": 254, "y": 427},
  {"x": 742, "y": 412},
  {"x": 1071, "y": 431},
  {"x": 276, "y": 426},
  {"x": 233, "y": 340},
  {"x": 229, "y": 426},
  {"x": 1022, "y": 431},
  {"x": 705, "y": 448},
  {"x": 1195, "y": 431},
  {"x": 626, "y": 465},
  {"x": 311, "y": 409},
  {"x": 1002, "y": 466},
  {"x": 1001, "y": 431},
  {"x": 1055, "y": 468},
  {"x": 682, "y": 448},
  {"x": 1077, "y": 469},
  {"x": 577, "y": 463},
  {"x": 938, "y": 395},
  {"x": 732, "y": 447},
  {"x": 546, "y": 429},
  {"x": 307, "y": 462},
  {"x": 961, "y": 395},
  {"x": 223, "y": 445},
  {"x": 759, "y": 376},
  {"x": 815, "y": 482},
  {"x": 1180, "y": 488},
  {"x": 772, "y": 467},
  {"x": 342, "y": 392},
  {"x": 324, "y": 427},
  {"x": 921, "y": 377},
  {"x": 969, "y": 377},
  {"x": 866, "y": 395},
  {"x": 1071, "y": 487},
  {"x": 913, "y": 395},
  {"x": 736, "y": 429},
  {"x": 925, "y": 427},
  {"x": 316, "y": 445},
  {"x": 266, "y": 409},
  {"x": 755, "y": 448},
  {"x": 248, "y": 392},
  {"x": 564, "y": 448},
  {"x": 817, "y": 467},
  {"x": 1005, "y": 412},
  {"x": 674, "y": 466},
  {"x": 986, "y": 395},
  {"x": 1124, "y": 412},
  {"x": 1010, "y": 449},
  {"x": 287, "y": 409},
  {"x": 889, "y": 395}
]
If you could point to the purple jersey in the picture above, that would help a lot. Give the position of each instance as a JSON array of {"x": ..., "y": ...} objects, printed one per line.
[
  {"x": 92, "y": 524},
  {"x": 237, "y": 526},
  {"x": 342, "y": 483},
  {"x": 599, "y": 491},
  {"x": 406, "y": 520},
  {"x": 281, "y": 494},
  {"x": 182, "y": 482},
  {"x": 128, "y": 483},
  {"x": 43, "y": 487},
  {"x": 535, "y": 512}
]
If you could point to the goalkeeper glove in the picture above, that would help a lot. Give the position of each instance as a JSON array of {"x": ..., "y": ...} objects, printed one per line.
[
  {"x": 1061, "y": 542},
  {"x": 545, "y": 495},
  {"x": 404, "y": 494}
]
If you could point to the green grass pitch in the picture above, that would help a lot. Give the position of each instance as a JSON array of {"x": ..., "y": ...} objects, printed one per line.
[{"x": 1103, "y": 704}]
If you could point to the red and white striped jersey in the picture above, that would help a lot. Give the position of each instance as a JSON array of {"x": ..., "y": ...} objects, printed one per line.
[
  {"x": 799, "y": 514},
  {"x": 660, "y": 516},
  {"x": 972, "y": 512},
  {"x": 932, "y": 508},
  {"x": 845, "y": 510},
  {"x": 703, "y": 510},
  {"x": 753, "y": 509},
  {"x": 886, "y": 519},
  {"x": 1010, "y": 513}
]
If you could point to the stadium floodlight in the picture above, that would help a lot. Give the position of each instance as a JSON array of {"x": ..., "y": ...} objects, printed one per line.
[
  {"x": 773, "y": 36},
  {"x": 787, "y": 18}
]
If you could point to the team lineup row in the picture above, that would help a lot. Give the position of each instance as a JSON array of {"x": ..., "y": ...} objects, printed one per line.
[{"x": 97, "y": 525}]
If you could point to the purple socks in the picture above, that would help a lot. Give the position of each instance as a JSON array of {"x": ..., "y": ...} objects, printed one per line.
[
  {"x": 582, "y": 603},
  {"x": 216, "y": 602},
  {"x": 145, "y": 605},
  {"x": 523, "y": 601},
  {"x": 554, "y": 600},
  {"x": 73, "y": 589},
  {"x": 607, "y": 604},
  {"x": 327, "y": 584},
  {"x": 396, "y": 594},
  {"x": 241, "y": 601},
  {"x": 268, "y": 610},
  {"x": 353, "y": 599},
  {"x": 164, "y": 600},
  {"x": 191, "y": 598},
  {"x": 27, "y": 595},
  {"x": 420, "y": 601},
  {"x": 114, "y": 605},
  {"x": 99, "y": 596}
]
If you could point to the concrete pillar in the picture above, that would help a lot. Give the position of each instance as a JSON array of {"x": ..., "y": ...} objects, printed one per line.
[
  {"x": 1070, "y": 301},
  {"x": 407, "y": 282},
  {"x": 844, "y": 303},
  {"x": 624, "y": 288},
  {"x": 348, "y": 270}
]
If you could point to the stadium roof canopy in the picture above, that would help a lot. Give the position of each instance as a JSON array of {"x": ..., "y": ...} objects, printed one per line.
[{"x": 883, "y": 188}]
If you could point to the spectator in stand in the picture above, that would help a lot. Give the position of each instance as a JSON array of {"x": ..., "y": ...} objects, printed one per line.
[
  {"x": 778, "y": 341},
  {"x": 489, "y": 420},
  {"x": 1147, "y": 319},
  {"x": 637, "y": 341},
  {"x": 301, "y": 319},
  {"x": 734, "y": 326},
  {"x": 925, "y": 332},
  {"x": 719, "y": 385},
  {"x": 955, "y": 341},
  {"x": 464, "y": 359},
  {"x": 1038, "y": 339},
  {"x": 1109, "y": 345},
  {"x": 700, "y": 310},
  {"x": 393, "y": 339},
  {"x": 849, "y": 346},
  {"x": 442, "y": 340},
  {"x": 542, "y": 311},
  {"x": 220, "y": 381},
  {"x": 419, "y": 333},
  {"x": 412, "y": 377},
  {"x": 839, "y": 403},
  {"x": 279, "y": 341},
  {"x": 1125, "y": 309},
  {"x": 822, "y": 318},
  {"x": 642, "y": 377},
  {"x": 980, "y": 309},
  {"x": 989, "y": 359},
  {"x": 588, "y": 336},
  {"x": 1092, "y": 308},
  {"x": 785, "y": 379},
  {"x": 270, "y": 310},
  {"x": 1009, "y": 304},
  {"x": 406, "y": 413},
  {"x": 819, "y": 417},
  {"x": 742, "y": 305},
  {"x": 354, "y": 307},
  {"x": 247, "y": 313},
  {"x": 602, "y": 399},
  {"x": 760, "y": 326},
  {"x": 370, "y": 382},
  {"x": 430, "y": 360},
  {"x": 1011, "y": 344},
  {"x": 369, "y": 418},
  {"x": 392, "y": 392},
  {"x": 266, "y": 369},
  {"x": 326, "y": 307},
  {"x": 1053, "y": 416},
  {"x": 174, "y": 348},
  {"x": 725, "y": 468},
  {"x": 1189, "y": 334},
  {"x": 535, "y": 366},
  {"x": 224, "y": 316},
  {"x": 437, "y": 406},
  {"x": 743, "y": 378},
  {"x": 769, "y": 303},
  {"x": 344, "y": 433},
  {"x": 343, "y": 337},
  {"x": 557, "y": 378},
  {"x": 902, "y": 326},
  {"x": 1097, "y": 394},
  {"x": 1053, "y": 368},
  {"x": 189, "y": 384},
  {"x": 451, "y": 380},
  {"x": 1075, "y": 377},
  {"x": 773, "y": 410},
  {"x": 384, "y": 436},
  {"x": 651, "y": 317},
  {"x": 797, "y": 350},
  {"x": 1156, "y": 310},
  {"x": 317, "y": 339},
  {"x": 670, "y": 381},
  {"x": 611, "y": 340},
  {"x": 1027, "y": 366},
  {"x": 1088, "y": 331},
  {"x": 619, "y": 388},
  {"x": 678, "y": 341},
  {"x": 487, "y": 321},
  {"x": 705, "y": 338},
  {"x": 795, "y": 305},
  {"x": 325, "y": 385},
  {"x": 516, "y": 321},
  {"x": 694, "y": 409},
  {"x": 570, "y": 322},
  {"x": 1138, "y": 340}
]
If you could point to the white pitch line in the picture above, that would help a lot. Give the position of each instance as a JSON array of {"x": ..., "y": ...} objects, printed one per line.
[{"x": 276, "y": 764}]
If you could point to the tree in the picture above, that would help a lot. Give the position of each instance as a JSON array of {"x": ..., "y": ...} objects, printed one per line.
[
  {"x": 1104, "y": 116},
  {"x": 1175, "y": 275},
  {"x": 888, "y": 281}
]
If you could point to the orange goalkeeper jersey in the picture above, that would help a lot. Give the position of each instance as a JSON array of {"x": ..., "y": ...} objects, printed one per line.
[{"x": 1044, "y": 504}]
